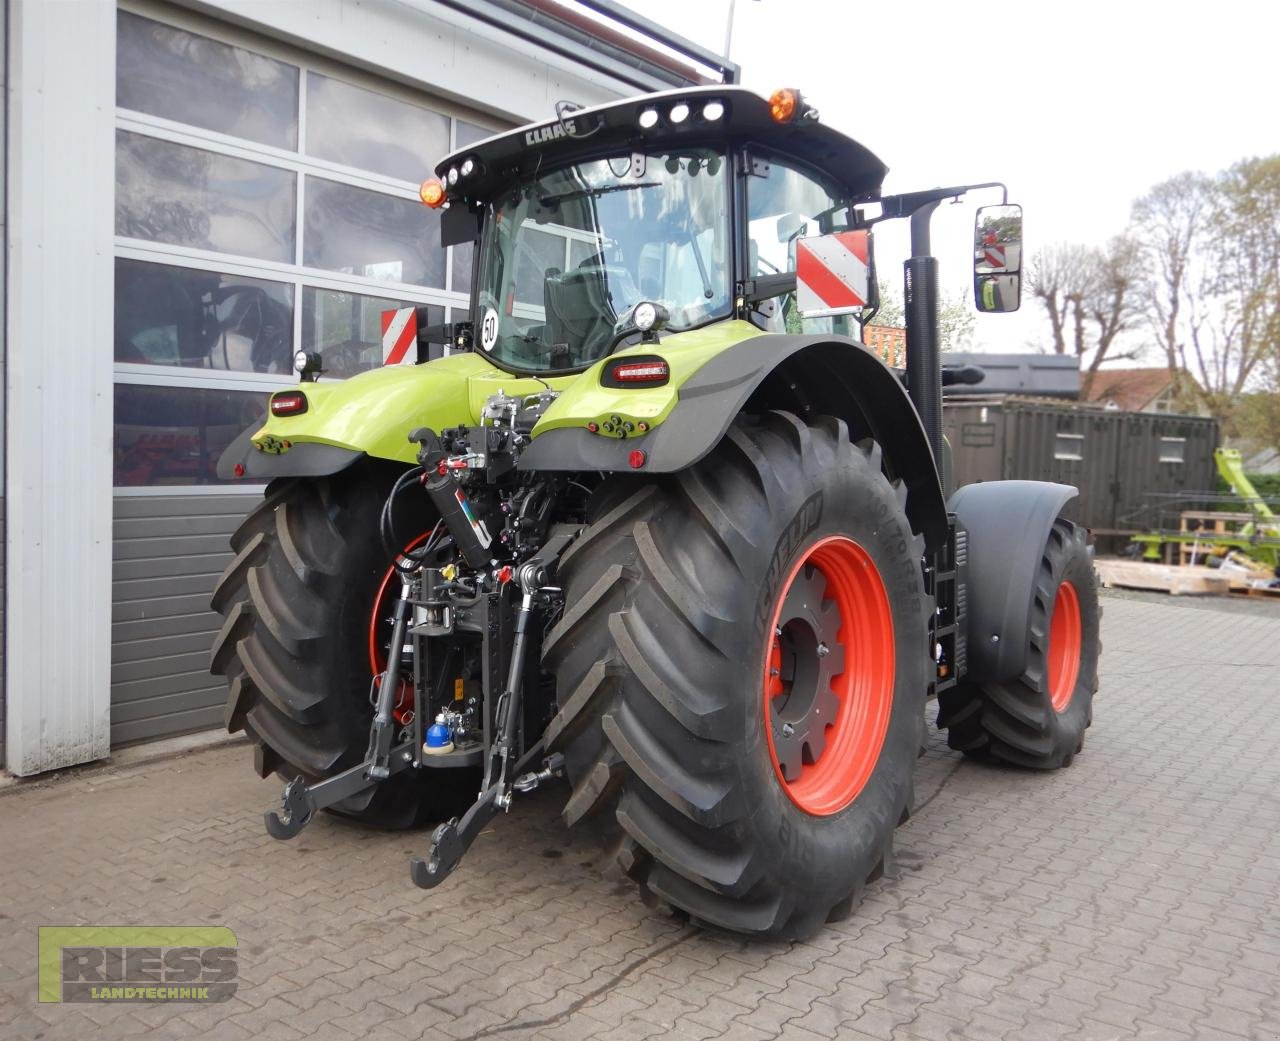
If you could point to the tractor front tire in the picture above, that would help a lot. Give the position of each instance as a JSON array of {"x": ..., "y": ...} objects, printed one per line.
[
  {"x": 1038, "y": 719},
  {"x": 741, "y": 672},
  {"x": 297, "y": 601}
]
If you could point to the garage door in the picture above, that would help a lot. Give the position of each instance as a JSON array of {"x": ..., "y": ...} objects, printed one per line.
[{"x": 265, "y": 201}]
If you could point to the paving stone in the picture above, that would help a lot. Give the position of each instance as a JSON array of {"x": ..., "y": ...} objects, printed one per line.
[{"x": 1130, "y": 896}]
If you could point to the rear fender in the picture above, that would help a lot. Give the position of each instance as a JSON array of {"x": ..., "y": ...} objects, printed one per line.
[
  {"x": 1008, "y": 524},
  {"x": 808, "y": 375},
  {"x": 370, "y": 414}
]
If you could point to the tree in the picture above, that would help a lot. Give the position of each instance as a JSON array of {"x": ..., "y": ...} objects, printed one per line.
[
  {"x": 1091, "y": 298},
  {"x": 1211, "y": 249},
  {"x": 1257, "y": 418},
  {"x": 1245, "y": 247},
  {"x": 1058, "y": 277},
  {"x": 956, "y": 319}
]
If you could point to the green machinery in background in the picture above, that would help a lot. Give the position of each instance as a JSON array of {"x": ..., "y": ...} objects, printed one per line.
[{"x": 1219, "y": 532}]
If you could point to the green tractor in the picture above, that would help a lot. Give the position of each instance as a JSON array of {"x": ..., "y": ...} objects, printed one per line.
[{"x": 657, "y": 522}]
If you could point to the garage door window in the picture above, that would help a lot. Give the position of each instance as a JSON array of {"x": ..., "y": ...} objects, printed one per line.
[
  {"x": 266, "y": 201},
  {"x": 345, "y": 329},
  {"x": 168, "y": 435},
  {"x": 360, "y": 232},
  {"x": 181, "y": 196},
  {"x": 365, "y": 129},
  {"x": 189, "y": 318},
  {"x": 187, "y": 78}
]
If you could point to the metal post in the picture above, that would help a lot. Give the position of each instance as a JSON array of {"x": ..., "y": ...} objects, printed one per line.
[{"x": 924, "y": 365}]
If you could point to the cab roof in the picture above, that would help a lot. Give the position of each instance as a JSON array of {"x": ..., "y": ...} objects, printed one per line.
[{"x": 588, "y": 133}]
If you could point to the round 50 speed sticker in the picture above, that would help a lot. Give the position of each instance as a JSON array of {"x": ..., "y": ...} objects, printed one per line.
[{"x": 489, "y": 329}]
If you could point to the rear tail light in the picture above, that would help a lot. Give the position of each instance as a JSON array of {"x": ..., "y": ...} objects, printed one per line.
[
  {"x": 290, "y": 403},
  {"x": 637, "y": 372}
]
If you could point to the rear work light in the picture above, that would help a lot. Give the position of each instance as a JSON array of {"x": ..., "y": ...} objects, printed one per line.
[
  {"x": 637, "y": 372},
  {"x": 291, "y": 403}
]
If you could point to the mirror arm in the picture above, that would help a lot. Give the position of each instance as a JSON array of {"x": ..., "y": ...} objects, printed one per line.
[
  {"x": 894, "y": 206},
  {"x": 765, "y": 287}
]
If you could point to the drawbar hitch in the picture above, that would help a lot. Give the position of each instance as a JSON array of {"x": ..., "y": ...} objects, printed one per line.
[{"x": 502, "y": 775}]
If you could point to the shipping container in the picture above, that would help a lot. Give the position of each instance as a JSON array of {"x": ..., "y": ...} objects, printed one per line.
[{"x": 1117, "y": 459}]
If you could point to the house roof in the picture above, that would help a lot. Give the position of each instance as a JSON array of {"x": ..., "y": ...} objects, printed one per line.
[{"x": 1129, "y": 389}]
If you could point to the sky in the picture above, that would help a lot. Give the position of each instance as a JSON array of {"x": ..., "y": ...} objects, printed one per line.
[{"x": 1078, "y": 107}]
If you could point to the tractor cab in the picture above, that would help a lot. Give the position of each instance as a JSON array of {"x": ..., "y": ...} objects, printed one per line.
[{"x": 691, "y": 201}]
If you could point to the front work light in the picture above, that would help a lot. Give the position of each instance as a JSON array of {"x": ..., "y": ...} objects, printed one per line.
[
  {"x": 648, "y": 119},
  {"x": 712, "y": 111},
  {"x": 679, "y": 112}
]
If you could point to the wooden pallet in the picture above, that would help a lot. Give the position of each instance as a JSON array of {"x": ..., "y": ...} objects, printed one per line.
[
  {"x": 1263, "y": 592},
  {"x": 1174, "y": 579}
]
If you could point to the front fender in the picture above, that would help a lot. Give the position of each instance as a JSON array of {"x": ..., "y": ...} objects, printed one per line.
[{"x": 1007, "y": 523}]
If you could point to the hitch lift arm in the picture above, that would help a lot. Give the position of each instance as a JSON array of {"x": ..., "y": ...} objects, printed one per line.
[{"x": 299, "y": 802}]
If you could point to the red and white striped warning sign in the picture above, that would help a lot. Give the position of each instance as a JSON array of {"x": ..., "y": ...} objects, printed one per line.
[
  {"x": 832, "y": 272},
  {"x": 399, "y": 333},
  {"x": 993, "y": 257}
]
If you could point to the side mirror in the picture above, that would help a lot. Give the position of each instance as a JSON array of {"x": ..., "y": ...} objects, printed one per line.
[{"x": 997, "y": 259}]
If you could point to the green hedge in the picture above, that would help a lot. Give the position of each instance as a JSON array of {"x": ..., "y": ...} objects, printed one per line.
[{"x": 1267, "y": 485}]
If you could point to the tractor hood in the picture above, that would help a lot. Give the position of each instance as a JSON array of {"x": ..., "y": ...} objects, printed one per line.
[{"x": 645, "y": 122}]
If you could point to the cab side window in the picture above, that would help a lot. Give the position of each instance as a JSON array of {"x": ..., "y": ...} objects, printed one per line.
[{"x": 785, "y": 205}]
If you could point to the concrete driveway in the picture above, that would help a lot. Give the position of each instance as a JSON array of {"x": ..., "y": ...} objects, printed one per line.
[{"x": 1136, "y": 894}]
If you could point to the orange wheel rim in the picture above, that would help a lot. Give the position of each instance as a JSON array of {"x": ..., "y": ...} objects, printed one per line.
[
  {"x": 1065, "y": 642},
  {"x": 828, "y": 676}
]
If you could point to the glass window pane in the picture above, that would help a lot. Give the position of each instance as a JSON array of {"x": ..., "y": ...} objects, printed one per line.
[
  {"x": 191, "y": 197},
  {"x": 346, "y": 328},
  {"x": 365, "y": 129},
  {"x": 192, "y": 79},
  {"x": 469, "y": 133},
  {"x": 202, "y": 319},
  {"x": 174, "y": 435},
  {"x": 359, "y": 232},
  {"x": 783, "y": 207}
]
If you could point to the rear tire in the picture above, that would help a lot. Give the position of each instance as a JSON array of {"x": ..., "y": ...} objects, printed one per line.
[
  {"x": 663, "y": 659},
  {"x": 1038, "y": 719},
  {"x": 294, "y": 645}
]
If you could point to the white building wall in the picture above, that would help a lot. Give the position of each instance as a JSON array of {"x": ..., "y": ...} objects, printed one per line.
[
  {"x": 430, "y": 46},
  {"x": 58, "y": 444}
]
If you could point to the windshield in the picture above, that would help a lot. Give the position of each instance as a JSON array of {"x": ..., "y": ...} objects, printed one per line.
[{"x": 567, "y": 257}]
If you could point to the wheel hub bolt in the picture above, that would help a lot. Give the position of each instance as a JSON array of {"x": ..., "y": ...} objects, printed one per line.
[
  {"x": 788, "y": 729},
  {"x": 823, "y": 650}
]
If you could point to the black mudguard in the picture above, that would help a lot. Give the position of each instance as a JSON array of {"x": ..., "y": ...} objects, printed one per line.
[
  {"x": 814, "y": 374},
  {"x": 1008, "y": 524},
  {"x": 304, "y": 459}
]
